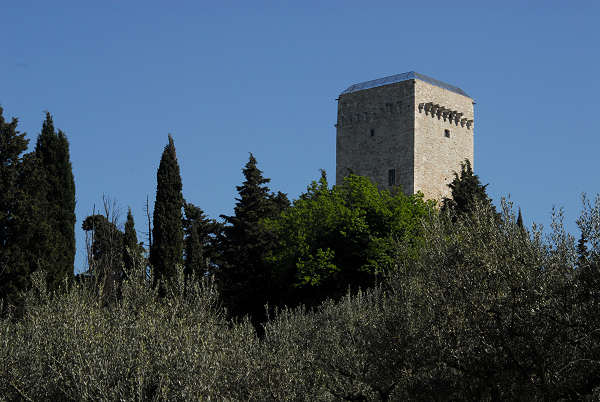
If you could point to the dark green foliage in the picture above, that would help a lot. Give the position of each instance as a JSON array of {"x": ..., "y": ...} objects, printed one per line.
[
  {"x": 132, "y": 250},
  {"x": 58, "y": 201},
  {"x": 107, "y": 239},
  {"x": 106, "y": 260},
  {"x": 584, "y": 374},
  {"x": 520, "y": 220},
  {"x": 485, "y": 312},
  {"x": 25, "y": 236},
  {"x": 331, "y": 239},
  {"x": 166, "y": 252},
  {"x": 14, "y": 267},
  {"x": 244, "y": 273},
  {"x": 199, "y": 243},
  {"x": 12, "y": 145},
  {"x": 582, "y": 251},
  {"x": 467, "y": 192}
]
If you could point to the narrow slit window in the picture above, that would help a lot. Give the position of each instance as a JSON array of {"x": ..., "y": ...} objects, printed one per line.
[
  {"x": 372, "y": 132},
  {"x": 392, "y": 177},
  {"x": 447, "y": 133}
]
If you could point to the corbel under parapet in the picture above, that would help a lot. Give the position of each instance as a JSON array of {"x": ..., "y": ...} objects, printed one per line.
[
  {"x": 428, "y": 107},
  {"x": 445, "y": 114},
  {"x": 457, "y": 118}
]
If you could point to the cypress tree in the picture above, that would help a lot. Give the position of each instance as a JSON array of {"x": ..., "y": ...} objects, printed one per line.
[
  {"x": 167, "y": 234},
  {"x": 244, "y": 273},
  {"x": 467, "y": 191},
  {"x": 132, "y": 252},
  {"x": 52, "y": 152},
  {"x": 520, "y": 220},
  {"x": 582, "y": 250}
]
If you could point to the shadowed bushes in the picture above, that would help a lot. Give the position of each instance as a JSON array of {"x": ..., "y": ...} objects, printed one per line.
[{"x": 485, "y": 310}]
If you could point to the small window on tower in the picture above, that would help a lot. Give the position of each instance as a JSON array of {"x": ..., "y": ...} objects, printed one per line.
[
  {"x": 372, "y": 132},
  {"x": 392, "y": 177},
  {"x": 447, "y": 133}
]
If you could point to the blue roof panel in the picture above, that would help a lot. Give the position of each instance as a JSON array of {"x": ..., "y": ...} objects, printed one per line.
[{"x": 411, "y": 75}]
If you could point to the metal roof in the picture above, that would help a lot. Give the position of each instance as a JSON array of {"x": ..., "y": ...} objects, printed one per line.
[{"x": 411, "y": 75}]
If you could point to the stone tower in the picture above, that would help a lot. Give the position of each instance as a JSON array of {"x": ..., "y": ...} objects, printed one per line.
[{"x": 407, "y": 130}]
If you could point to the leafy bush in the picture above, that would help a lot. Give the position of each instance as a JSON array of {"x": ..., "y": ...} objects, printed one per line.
[
  {"x": 505, "y": 316},
  {"x": 485, "y": 311},
  {"x": 340, "y": 237},
  {"x": 73, "y": 346}
]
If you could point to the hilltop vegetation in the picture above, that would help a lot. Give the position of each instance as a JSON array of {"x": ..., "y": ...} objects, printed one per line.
[
  {"x": 486, "y": 311},
  {"x": 346, "y": 293}
]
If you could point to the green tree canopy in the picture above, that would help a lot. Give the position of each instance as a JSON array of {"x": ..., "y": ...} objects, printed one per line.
[
  {"x": 332, "y": 238},
  {"x": 199, "y": 243},
  {"x": 132, "y": 250},
  {"x": 14, "y": 267},
  {"x": 106, "y": 260},
  {"x": 58, "y": 199},
  {"x": 167, "y": 234},
  {"x": 520, "y": 220},
  {"x": 244, "y": 243},
  {"x": 25, "y": 235},
  {"x": 467, "y": 192}
]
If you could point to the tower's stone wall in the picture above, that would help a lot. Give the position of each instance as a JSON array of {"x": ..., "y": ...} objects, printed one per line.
[
  {"x": 437, "y": 156},
  {"x": 375, "y": 133},
  {"x": 420, "y": 130}
]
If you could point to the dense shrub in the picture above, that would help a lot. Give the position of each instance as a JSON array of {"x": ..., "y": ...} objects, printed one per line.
[
  {"x": 507, "y": 321},
  {"x": 339, "y": 237},
  {"x": 484, "y": 311},
  {"x": 74, "y": 346}
]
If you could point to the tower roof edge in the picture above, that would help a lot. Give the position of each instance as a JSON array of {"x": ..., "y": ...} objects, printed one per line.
[{"x": 411, "y": 75}]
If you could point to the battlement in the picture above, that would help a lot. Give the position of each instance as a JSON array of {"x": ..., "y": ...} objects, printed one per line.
[{"x": 442, "y": 112}]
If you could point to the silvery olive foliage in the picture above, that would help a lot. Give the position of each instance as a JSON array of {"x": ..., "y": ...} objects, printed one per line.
[
  {"x": 512, "y": 315},
  {"x": 485, "y": 310}
]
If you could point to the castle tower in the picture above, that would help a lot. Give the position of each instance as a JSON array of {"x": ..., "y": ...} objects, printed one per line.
[{"x": 407, "y": 130}]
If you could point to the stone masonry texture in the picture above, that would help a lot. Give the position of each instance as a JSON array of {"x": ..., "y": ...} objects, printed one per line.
[{"x": 420, "y": 130}]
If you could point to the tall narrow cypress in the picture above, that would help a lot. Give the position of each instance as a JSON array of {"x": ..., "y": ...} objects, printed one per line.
[
  {"x": 167, "y": 234},
  {"x": 520, "y": 220},
  {"x": 131, "y": 248},
  {"x": 582, "y": 251},
  {"x": 52, "y": 152}
]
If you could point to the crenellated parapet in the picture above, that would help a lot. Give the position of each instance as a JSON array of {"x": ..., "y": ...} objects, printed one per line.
[
  {"x": 350, "y": 114},
  {"x": 441, "y": 112}
]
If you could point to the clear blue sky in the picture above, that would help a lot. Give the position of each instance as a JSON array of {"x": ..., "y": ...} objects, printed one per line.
[{"x": 227, "y": 78}]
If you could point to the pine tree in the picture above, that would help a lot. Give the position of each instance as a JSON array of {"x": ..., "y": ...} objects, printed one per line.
[
  {"x": 132, "y": 252},
  {"x": 244, "y": 273},
  {"x": 199, "y": 241},
  {"x": 467, "y": 191},
  {"x": 167, "y": 234},
  {"x": 52, "y": 152}
]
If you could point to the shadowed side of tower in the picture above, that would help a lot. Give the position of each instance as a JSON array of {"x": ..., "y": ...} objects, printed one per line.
[{"x": 407, "y": 130}]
